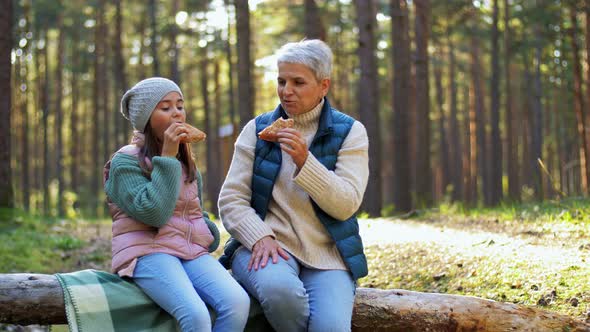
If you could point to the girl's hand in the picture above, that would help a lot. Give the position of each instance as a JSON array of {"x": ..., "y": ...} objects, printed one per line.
[
  {"x": 172, "y": 136},
  {"x": 293, "y": 144},
  {"x": 262, "y": 250}
]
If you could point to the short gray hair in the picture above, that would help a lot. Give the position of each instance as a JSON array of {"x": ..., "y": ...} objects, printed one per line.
[{"x": 313, "y": 53}]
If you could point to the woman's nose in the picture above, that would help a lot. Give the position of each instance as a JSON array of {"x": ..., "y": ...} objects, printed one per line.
[{"x": 287, "y": 89}]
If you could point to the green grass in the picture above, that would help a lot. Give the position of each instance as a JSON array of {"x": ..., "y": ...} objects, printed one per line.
[
  {"x": 39, "y": 245},
  {"x": 573, "y": 210}
]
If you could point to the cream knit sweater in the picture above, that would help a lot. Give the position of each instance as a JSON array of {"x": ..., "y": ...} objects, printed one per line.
[{"x": 291, "y": 219}]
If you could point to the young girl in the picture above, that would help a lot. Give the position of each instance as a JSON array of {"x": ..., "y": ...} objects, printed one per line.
[{"x": 160, "y": 238}]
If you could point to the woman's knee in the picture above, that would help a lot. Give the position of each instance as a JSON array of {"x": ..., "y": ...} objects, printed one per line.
[{"x": 281, "y": 296}]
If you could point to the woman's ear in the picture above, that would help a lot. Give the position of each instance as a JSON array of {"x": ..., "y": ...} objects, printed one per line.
[{"x": 325, "y": 86}]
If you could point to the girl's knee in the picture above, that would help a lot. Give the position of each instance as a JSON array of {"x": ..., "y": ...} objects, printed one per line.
[{"x": 195, "y": 320}]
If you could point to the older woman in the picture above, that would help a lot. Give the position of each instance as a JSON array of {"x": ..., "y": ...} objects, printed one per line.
[{"x": 290, "y": 205}]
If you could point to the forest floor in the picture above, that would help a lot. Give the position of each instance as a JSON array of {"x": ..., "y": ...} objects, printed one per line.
[{"x": 534, "y": 255}]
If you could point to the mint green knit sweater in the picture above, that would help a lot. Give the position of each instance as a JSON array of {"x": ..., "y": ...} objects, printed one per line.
[{"x": 149, "y": 201}]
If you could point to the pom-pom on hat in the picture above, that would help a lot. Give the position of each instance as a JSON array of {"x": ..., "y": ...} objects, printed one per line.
[{"x": 139, "y": 102}]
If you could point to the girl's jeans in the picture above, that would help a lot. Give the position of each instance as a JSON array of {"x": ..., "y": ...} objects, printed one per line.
[
  {"x": 296, "y": 298},
  {"x": 183, "y": 288}
]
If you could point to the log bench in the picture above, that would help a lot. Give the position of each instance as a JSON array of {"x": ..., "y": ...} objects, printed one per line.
[{"x": 27, "y": 299}]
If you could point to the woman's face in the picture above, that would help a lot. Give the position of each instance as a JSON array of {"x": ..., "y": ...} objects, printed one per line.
[
  {"x": 169, "y": 110},
  {"x": 298, "y": 89}
]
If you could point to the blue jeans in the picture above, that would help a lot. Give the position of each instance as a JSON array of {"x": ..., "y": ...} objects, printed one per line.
[
  {"x": 296, "y": 298},
  {"x": 183, "y": 288}
]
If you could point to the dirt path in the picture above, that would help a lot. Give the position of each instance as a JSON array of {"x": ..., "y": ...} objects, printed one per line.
[{"x": 474, "y": 243}]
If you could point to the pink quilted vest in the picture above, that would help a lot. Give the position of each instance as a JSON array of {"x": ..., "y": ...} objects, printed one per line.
[{"x": 185, "y": 235}]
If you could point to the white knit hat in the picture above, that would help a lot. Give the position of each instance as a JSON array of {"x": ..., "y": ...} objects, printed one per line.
[{"x": 140, "y": 101}]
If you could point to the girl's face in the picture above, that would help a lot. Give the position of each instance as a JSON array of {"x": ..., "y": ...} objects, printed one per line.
[
  {"x": 298, "y": 89},
  {"x": 169, "y": 110}
]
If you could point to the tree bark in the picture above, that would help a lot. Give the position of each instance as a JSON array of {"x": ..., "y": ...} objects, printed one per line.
[
  {"x": 456, "y": 145},
  {"x": 153, "y": 4},
  {"x": 579, "y": 102},
  {"x": 537, "y": 123},
  {"x": 122, "y": 127},
  {"x": 495, "y": 140},
  {"x": 400, "y": 136},
  {"x": 174, "y": 49},
  {"x": 509, "y": 118},
  {"x": 421, "y": 60},
  {"x": 59, "y": 117},
  {"x": 368, "y": 109},
  {"x": 481, "y": 147},
  {"x": 314, "y": 28},
  {"x": 443, "y": 142},
  {"x": 230, "y": 70},
  {"x": 38, "y": 299},
  {"x": 46, "y": 111},
  {"x": 6, "y": 190},
  {"x": 245, "y": 85}
]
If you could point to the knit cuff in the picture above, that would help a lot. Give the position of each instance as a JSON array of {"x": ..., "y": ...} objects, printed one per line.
[
  {"x": 313, "y": 177},
  {"x": 249, "y": 231}
]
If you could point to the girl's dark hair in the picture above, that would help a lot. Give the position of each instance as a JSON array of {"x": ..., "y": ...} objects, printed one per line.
[{"x": 152, "y": 147}]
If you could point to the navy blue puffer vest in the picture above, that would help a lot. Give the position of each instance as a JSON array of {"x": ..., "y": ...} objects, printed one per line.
[{"x": 333, "y": 128}]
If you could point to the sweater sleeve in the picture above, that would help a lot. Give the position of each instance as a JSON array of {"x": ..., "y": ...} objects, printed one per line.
[
  {"x": 238, "y": 217},
  {"x": 339, "y": 193},
  {"x": 150, "y": 201}
]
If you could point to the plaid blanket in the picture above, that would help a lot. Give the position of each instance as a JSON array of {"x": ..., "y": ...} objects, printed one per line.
[
  {"x": 101, "y": 301},
  {"x": 98, "y": 301}
]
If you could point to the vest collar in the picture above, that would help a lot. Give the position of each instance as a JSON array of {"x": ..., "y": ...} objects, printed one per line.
[{"x": 325, "y": 125}]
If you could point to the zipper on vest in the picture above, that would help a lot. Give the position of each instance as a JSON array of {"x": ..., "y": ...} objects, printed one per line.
[{"x": 188, "y": 235}]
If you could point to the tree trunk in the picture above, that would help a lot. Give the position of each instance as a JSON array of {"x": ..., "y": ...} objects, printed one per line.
[
  {"x": 579, "y": 106},
  {"x": 537, "y": 123},
  {"x": 38, "y": 299},
  {"x": 6, "y": 190},
  {"x": 107, "y": 113},
  {"x": 153, "y": 8},
  {"x": 216, "y": 143},
  {"x": 443, "y": 147},
  {"x": 122, "y": 127},
  {"x": 526, "y": 120},
  {"x": 46, "y": 111},
  {"x": 454, "y": 132},
  {"x": 423, "y": 167},
  {"x": 98, "y": 106},
  {"x": 314, "y": 28},
  {"x": 245, "y": 84},
  {"x": 75, "y": 148},
  {"x": 211, "y": 175},
  {"x": 480, "y": 121},
  {"x": 509, "y": 118},
  {"x": 368, "y": 109},
  {"x": 471, "y": 146},
  {"x": 230, "y": 71},
  {"x": 495, "y": 143},
  {"x": 59, "y": 118},
  {"x": 400, "y": 137},
  {"x": 174, "y": 49}
]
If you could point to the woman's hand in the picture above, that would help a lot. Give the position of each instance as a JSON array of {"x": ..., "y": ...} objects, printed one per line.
[
  {"x": 262, "y": 250},
  {"x": 172, "y": 136},
  {"x": 293, "y": 144}
]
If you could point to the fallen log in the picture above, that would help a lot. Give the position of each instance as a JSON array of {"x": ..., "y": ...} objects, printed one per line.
[{"x": 27, "y": 299}]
